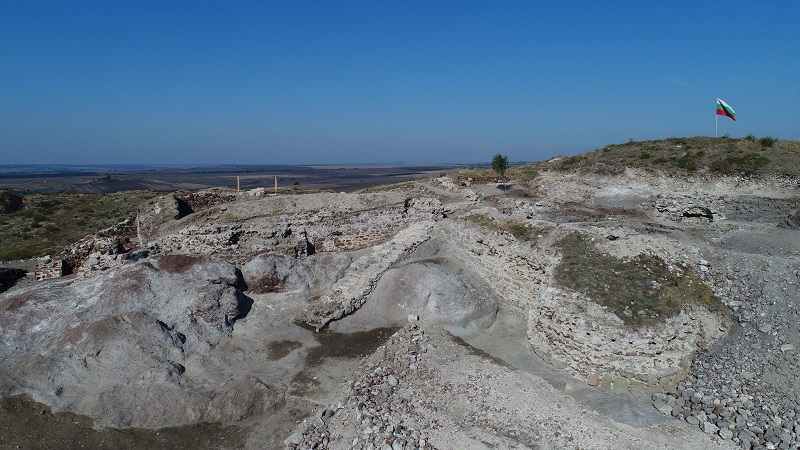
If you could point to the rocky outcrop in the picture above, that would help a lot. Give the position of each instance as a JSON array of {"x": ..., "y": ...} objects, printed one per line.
[
  {"x": 432, "y": 291},
  {"x": 270, "y": 272},
  {"x": 352, "y": 290},
  {"x": 128, "y": 348}
]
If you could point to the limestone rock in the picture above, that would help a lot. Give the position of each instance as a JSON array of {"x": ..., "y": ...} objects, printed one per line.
[
  {"x": 275, "y": 272},
  {"x": 128, "y": 348}
]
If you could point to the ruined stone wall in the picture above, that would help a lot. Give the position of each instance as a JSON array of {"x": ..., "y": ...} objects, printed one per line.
[
  {"x": 573, "y": 333},
  {"x": 48, "y": 268},
  {"x": 510, "y": 267}
]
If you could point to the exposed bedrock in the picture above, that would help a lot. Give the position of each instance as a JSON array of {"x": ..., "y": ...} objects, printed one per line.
[
  {"x": 273, "y": 272},
  {"x": 434, "y": 292},
  {"x": 129, "y": 348}
]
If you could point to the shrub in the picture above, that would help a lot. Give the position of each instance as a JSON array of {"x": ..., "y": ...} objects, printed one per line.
[
  {"x": 645, "y": 155},
  {"x": 767, "y": 141},
  {"x": 517, "y": 229},
  {"x": 688, "y": 162},
  {"x": 570, "y": 161},
  {"x": 500, "y": 164},
  {"x": 10, "y": 202}
]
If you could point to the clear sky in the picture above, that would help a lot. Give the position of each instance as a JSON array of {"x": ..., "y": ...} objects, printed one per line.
[{"x": 300, "y": 82}]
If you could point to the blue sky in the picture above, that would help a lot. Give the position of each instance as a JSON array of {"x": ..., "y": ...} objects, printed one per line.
[{"x": 301, "y": 82}]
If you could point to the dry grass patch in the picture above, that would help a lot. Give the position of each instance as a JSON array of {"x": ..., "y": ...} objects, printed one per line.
[
  {"x": 517, "y": 229},
  {"x": 641, "y": 291}
]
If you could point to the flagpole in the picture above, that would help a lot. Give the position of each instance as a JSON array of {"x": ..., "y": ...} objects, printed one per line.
[{"x": 716, "y": 120}]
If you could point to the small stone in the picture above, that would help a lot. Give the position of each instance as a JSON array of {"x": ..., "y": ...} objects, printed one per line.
[
  {"x": 709, "y": 428},
  {"x": 393, "y": 381},
  {"x": 620, "y": 385},
  {"x": 607, "y": 381},
  {"x": 593, "y": 380},
  {"x": 787, "y": 347},
  {"x": 319, "y": 423},
  {"x": 692, "y": 420},
  {"x": 665, "y": 409},
  {"x": 726, "y": 434},
  {"x": 294, "y": 439}
]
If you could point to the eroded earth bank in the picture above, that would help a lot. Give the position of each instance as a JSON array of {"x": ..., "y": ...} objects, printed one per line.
[{"x": 562, "y": 310}]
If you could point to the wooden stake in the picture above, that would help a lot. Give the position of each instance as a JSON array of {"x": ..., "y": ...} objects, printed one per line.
[
  {"x": 139, "y": 230},
  {"x": 237, "y": 188},
  {"x": 276, "y": 185}
]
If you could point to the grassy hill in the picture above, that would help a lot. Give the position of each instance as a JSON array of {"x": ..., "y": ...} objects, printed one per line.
[
  {"x": 724, "y": 155},
  {"x": 48, "y": 222}
]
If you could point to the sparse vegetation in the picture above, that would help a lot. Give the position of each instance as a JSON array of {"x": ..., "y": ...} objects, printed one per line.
[
  {"x": 570, "y": 161},
  {"x": 688, "y": 161},
  {"x": 690, "y": 154},
  {"x": 517, "y": 229},
  {"x": 523, "y": 173},
  {"x": 748, "y": 163},
  {"x": 48, "y": 222},
  {"x": 642, "y": 291}
]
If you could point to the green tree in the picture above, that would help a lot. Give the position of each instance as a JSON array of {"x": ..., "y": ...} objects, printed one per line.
[{"x": 500, "y": 164}]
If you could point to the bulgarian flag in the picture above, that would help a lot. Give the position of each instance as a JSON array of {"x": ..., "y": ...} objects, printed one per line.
[{"x": 724, "y": 109}]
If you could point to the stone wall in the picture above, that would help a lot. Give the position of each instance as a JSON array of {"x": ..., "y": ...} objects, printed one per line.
[
  {"x": 48, "y": 268},
  {"x": 509, "y": 266},
  {"x": 571, "y": 332}
]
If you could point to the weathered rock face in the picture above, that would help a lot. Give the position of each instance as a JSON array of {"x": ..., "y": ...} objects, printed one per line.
[
  {"x": 127, "y": 348},
  {"x": 276, "y": 272},
  {"x": 438, "y": 294}
]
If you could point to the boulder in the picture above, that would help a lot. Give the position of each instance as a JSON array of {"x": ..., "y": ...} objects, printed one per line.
[
  {"x": 131, "y": 348},
  {"x": 271, "y": 272},
  {"x": 434, "y": 292}
]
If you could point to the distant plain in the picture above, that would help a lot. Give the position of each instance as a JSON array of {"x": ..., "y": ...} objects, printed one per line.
[{"x": 108, "y": 179}]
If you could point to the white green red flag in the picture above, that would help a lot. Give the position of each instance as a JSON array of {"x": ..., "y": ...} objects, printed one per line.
[{"x": 724, "y": 109}]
